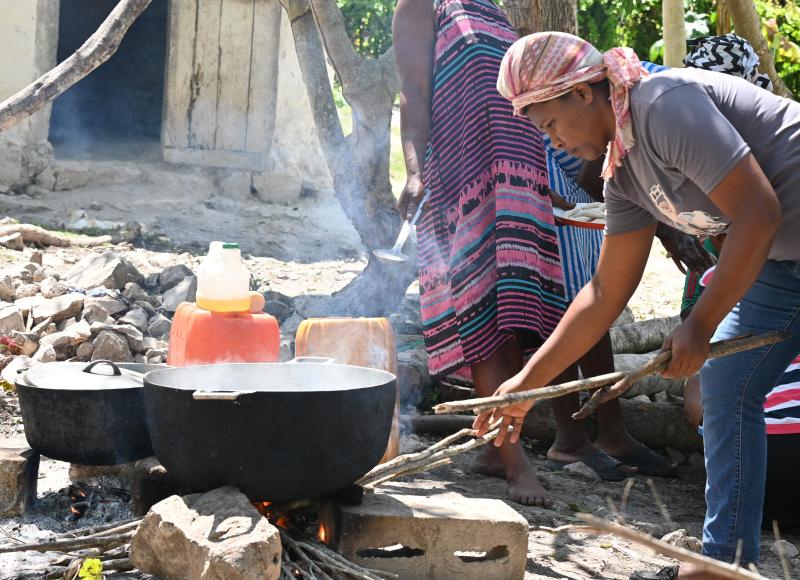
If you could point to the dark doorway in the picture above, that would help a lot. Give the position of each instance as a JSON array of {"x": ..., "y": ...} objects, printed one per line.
[{"x": 115, "y": 112}]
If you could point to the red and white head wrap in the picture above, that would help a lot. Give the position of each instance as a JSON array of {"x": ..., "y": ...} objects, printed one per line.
[{"x": 546, "y": 65}]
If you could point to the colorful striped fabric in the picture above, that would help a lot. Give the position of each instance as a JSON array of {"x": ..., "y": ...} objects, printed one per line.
[
  {"x": 782, "y": 407},
  {"x": 489, "y": 264},
  {"x": 579, "y": 247}
]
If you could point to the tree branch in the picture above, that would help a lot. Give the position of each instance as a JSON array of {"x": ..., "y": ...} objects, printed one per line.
[
  {"x": 747, "y": 24},
  {"x": 346, "y": 61},
  {"x": 94, "y": 52}
]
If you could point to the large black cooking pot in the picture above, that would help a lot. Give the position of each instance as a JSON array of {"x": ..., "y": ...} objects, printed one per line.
[
  {"x": 91, "y": 414},
  {"x": 278, "y": 431}
]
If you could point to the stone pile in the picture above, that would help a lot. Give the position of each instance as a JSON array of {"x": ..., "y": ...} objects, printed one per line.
[{"x": 100, "y": 308}]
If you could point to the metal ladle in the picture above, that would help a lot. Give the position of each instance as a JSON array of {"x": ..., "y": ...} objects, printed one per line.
[{"x": 395, "y": 254}]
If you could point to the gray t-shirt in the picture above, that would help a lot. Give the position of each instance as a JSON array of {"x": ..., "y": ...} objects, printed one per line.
[{"x": 691, "y": 127}]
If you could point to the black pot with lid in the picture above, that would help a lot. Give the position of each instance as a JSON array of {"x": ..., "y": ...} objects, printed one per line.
[{"x": 90, "y": 414}]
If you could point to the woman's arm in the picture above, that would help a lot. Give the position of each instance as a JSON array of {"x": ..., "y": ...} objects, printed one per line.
[
  {"x": 746, "y": 196},
  {"x": 413, "y": 36},
  {"x": 622, "y": 261}
]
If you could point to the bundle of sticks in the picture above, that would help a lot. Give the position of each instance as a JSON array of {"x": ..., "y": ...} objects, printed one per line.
[{"x": 621, "y": 382}]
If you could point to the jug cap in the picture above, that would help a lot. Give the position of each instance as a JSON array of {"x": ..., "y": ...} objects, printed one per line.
[{"x": 230, "y": 246}]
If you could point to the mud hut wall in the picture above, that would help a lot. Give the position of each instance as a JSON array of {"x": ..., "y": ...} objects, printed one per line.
[{"x": 29, "y": 33}]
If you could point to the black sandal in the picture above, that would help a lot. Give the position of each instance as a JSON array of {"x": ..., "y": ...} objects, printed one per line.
[{"x": 666, "y": 573}]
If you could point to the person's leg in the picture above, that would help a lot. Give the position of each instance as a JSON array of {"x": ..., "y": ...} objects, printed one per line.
[
  {"x": 733, "y": 390},
  {"x": 509, "y": 460},
  {"x": 612, "y": 435},
  {"x": 572, "y": 441}
]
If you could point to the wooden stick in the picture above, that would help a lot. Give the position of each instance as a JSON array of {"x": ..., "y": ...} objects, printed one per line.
[
  {"x": 353, "y": 570},
  {"x": 95, "y": 51},
  {"x": 106, "y": 528},
  {"x": 312, "y": 567},
  {"x": 661, "y": 361},
  {"x": 478, "y": 405},
  {"x": 410, "y": 471},
  {"x": 705, "y": 563},
  {"x": 427, "y": 461},
  {"x": 69, "y": 544},
  {"x": 400, "y": 460}
]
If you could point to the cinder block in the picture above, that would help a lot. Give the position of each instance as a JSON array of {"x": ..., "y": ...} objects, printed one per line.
[
  {"x": 19, "y": 473},
  {"x": 440, "y": 537}
]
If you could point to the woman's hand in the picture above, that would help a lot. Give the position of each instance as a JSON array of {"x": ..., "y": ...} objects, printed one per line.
[
  {"x": 685, "y": 250},
  {"x": 410, "y": 197},
  {"x": 559, "y": 201},
  {"x": 510, "y": 418},
  {"x": 690, "y": 349}
]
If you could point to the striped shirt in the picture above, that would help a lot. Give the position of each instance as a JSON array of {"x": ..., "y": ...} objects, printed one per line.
[{"x": 782, "y": 407}]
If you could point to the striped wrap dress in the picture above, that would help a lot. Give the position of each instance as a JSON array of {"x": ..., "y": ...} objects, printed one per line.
[{"x": 488, "y": 256}]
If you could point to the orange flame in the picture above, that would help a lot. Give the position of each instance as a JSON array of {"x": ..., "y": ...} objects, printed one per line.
[{"x": 322, "y": 533}]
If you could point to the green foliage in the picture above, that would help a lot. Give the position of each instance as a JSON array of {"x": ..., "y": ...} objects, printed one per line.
[
  {"x": 781, "y": 27},
  {"x": 369, "y": 24}
]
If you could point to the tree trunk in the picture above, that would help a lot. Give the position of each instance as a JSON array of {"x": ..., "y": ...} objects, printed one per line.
[
  {"x": 674, "y": 18},
  {"x": 529, "y": 16},
  {"x": 747, "y": 24},
  {"x": 94, "y": 52},
  {"x": 359, "y": 163},
  {"x": 723, "y": 18}
]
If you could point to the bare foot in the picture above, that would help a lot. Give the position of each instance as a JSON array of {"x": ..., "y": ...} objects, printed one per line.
[
  {"x": 525, "y": 488},
  {"x": 488, "y": 462}
]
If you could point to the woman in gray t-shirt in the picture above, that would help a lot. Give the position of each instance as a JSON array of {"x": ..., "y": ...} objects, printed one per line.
[{"x": 706, "y": 153}]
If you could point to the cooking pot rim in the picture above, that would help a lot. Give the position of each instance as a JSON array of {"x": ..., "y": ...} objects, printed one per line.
[{"x": 158, "y": 378}]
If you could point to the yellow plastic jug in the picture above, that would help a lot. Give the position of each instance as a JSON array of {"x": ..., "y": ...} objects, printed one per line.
[{"x": 223, "y": 283}]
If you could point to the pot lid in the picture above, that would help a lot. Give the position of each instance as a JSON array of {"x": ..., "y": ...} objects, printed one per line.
[{"x": 97, "y": 375}]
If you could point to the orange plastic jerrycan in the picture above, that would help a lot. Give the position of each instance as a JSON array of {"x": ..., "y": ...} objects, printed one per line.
[
  {"x": 199, "y": 336},
  {"x": 365, "y": 342}
]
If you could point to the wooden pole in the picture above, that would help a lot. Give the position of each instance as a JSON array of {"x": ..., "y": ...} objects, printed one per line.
[
  {"x": 674, "y": 32},
  {"x": 717, "y": 349},
  {"x": 94, "y": 52}
]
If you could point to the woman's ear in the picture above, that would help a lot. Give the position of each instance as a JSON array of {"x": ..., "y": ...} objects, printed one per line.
[{"x": 583, "y": 92}]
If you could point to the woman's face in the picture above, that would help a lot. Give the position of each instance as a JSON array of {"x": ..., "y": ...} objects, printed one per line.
[{"x": 576, "y": 122}]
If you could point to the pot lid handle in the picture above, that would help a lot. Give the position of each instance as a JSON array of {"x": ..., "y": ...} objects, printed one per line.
[{"x": 90, "y": 366}]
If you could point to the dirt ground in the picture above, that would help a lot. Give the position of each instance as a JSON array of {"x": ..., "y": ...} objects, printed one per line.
[{"x": 307, "y": 246}]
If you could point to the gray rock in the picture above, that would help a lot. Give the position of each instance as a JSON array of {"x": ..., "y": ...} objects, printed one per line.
[
  {"x": 28, "y": 341},
  {"x": 289, "y": 327},
  {"x": 50, "y": 288},
  {"x": 107, "y": 269},
  {"x": 134, "y": 292},
  {"x": 136, "y": 318},
  {"x": 133, "y": 335},
  {"x": 37, "y": 257},
  {"x": 26, "y": 304},
  {"x": 213, "y": 536},
  {"x": 146, "y": 306},
  {"x": 70, "y": 338},
  {"x": 641, "y": 399},
  {"x": 45, "y": 354},
  {"x": 682, "y": 539},
  {"x": 59, "y": 308},
  {"x": 11, "y": 319},
  {"x": 184, "y": 291},
  {"x": 789, "y": 550},
  {"x": 580, "y": 468},
  {"x": 7, "y": 291},
  {"x": 172, "y": 276},
  {"x": 84, "y": 351},
  {"x": 27, "y": 290},
  {"x": 278, "y": 309},
  {"x": 151, "y": 281},
  {"x": 95, "y": 313},
  {"x": 149, "y": 343},
  {"x": 41, "y": 328},
  {"x": 661, "y": 397},
  {"x": 111, "y": 346},
  {"x": 110, "y": 305},
  {"x": 159, "y": 326}
]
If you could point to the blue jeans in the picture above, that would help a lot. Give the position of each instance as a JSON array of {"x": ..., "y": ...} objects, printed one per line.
[{"x": 733, "y": 389}]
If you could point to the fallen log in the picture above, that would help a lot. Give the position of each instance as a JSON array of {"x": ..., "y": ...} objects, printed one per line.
[
  {"x": 643, "y": 336},
  {"x": 648, "y": 385},
  {"x": 95, "y": 51},
  {"x": 656, "y": 425},
  {"x": 36, "y": 235},
  {"x": 101, "y": 541}
]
